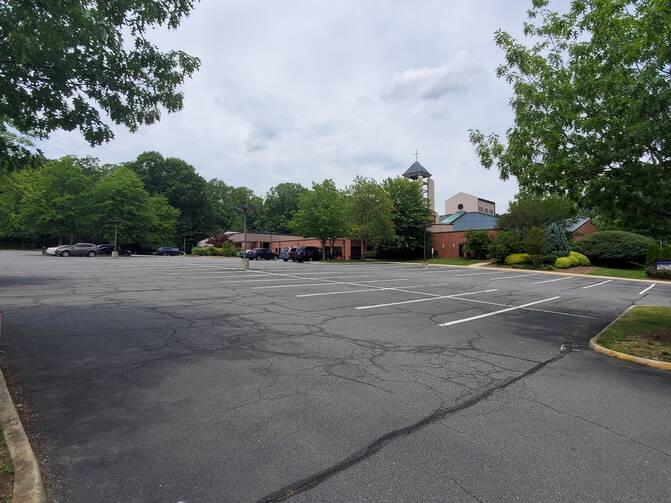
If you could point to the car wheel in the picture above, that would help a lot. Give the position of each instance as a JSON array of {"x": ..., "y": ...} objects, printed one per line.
[
  {"x": 91, "y": 253},
  {"x": 286, "y": 259},
  {"x": 65, "y": 254}
]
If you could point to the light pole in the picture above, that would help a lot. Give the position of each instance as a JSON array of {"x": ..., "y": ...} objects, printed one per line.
[
  {"x": 115, "y": 252},
  {"x": 244, "y": 209}
]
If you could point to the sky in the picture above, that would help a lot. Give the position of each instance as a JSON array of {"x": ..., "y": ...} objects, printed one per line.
[{"x": 299, "y": 91}]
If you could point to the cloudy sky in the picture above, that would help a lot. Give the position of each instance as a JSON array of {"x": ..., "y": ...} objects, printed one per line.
[{"x": 305, "y": 90}]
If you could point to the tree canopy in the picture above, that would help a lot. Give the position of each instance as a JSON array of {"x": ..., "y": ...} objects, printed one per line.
[
  {"x": 592, "y": 105},
  {"x": 370, "y": 212},
  {"x": 83, "y": 64},
  {"x": 527, "y": 211},
  {"x": 280, "y": 205}
]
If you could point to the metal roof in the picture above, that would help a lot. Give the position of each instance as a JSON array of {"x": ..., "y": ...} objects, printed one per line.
[
  {"x": 576, "y": 223},
  {"x": 467, "y": 221},
  {"x": 448, "y": 219},
  {"x": 416, "y": 170}
]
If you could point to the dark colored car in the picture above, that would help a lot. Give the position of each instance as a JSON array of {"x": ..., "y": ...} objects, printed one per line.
[
  {"x": 107, "y": 249},
  {"x": 248, "y": 254},
  {"x": 285, "y": 253},
  {"x": 78, "y": 250},
  {"x": 307, "y": 253},
  {"x": 169, "y": 251},
  {"x": 263, "y": 254}
]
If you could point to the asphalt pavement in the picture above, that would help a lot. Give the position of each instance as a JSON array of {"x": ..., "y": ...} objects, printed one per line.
[{"x": 185, "y": 379}]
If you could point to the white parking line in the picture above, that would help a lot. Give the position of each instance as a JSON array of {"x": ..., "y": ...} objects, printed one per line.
[
  {"x": 494, "y": 313},
  {"x": 329, "y": 283},
  {"x": 597, "y": 284},
  {"x": 478, "y": 274},
  {"x": 514, "y": 277},
  {"x": 647, "y": 289},
  {"x": 425, "y": 299},
  {"x": 550, "y": 280}
]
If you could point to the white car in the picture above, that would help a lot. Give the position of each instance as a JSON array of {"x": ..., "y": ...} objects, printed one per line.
[{"x": 52, "y": 250}]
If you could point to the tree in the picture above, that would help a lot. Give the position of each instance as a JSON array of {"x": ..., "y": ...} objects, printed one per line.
[
  {"x": 184, "y": 189},
  {"x": 527, "y": 211},
  {"x": 410, "y": 214},
  {"x": 225, "y": 201},
  {"x": 505, "y": 243},
  {"x": 592, "y": 105},
  {"x": 535, "y": 244},
  {"x": 321, "y": 213},
  {"x": 13, "y": 188},
  {"x": 56, "y": 201},
  {"x": 280, "y": 205},
  {"x": 477, "y": 244},
  {"x": 370, "y": 213},
  {"x": 121, "y": 202},
  {"x": 557, "y": 244},
  {"x": 64, "y": 65}
]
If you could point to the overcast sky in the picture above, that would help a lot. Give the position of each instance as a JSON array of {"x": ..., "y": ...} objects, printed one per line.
[{"x": 305, "y": 90}]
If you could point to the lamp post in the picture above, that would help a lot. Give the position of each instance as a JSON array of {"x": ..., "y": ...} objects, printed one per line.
[
  {"x": 115, "y": 252},
  {"x": 244, "y": 209}
]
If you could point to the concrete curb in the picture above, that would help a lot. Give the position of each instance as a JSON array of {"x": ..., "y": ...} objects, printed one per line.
[
  {"x": 593, "y": 344},
  {"x": 28, "y": 487}
]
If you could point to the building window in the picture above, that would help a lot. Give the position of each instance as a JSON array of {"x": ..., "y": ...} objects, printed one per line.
[{"x": 460, "y": 206}]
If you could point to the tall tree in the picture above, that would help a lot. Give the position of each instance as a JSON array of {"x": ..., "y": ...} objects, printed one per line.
[
  {"x": 121, "y": 202},
  {"x": 184, "y": 189},
  {"x": 370, "y": 212},
  {"x": 410, "y": 213},
  {"x": 321, "y": 213},
  {"x": 592, "y": 104},
  {"x": 280, "y": 205},
  {"x": 56, "y": 202},
  {"x": 527, "y": 211},
  {"x": 65, "y": 65},
  {"x": 226, "y": 200}
]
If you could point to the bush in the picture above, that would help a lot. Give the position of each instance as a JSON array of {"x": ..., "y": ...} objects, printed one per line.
[
  {"x": 654, "y": 273},
  {"x": 548, "y": 259},
  {"x": 505, "y": 243},
  {"x": 564, "y": 262},
  {"x": 582, "y": 259},
  {"x": 197, "y": 251},
  {"x": 655, "y": 253},
  {"x": 227, "y": 250},
  {"x": 477, "y": 244},
  {"x": 557, "y": 244},
  {"x": 518, "y": 258},
  {"x": 618, "y": 248}
]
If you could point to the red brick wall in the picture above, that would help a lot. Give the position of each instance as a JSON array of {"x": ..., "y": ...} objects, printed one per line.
[
  {"x": 446, "y": 244},
  {"x": 584, "y": 230}
]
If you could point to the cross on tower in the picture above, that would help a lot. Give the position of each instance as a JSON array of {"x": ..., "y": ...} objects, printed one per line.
[{"x": 416, "y": 154}]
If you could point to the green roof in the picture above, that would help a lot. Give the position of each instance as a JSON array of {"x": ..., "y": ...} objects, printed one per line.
[{"x": 448, "y": 219}]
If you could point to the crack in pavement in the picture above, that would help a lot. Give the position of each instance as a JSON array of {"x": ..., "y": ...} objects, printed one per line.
[{"x": 317, "y": 478}]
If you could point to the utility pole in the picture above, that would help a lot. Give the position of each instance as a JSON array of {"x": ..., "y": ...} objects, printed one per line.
[
  {"x": 184, "y": 247},
  {"x": 244, "y": 209},
  {"x": 115, "y": 252}
]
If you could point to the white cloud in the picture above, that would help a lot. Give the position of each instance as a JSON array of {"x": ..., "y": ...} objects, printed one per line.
[{"x": 300, "y": 91}]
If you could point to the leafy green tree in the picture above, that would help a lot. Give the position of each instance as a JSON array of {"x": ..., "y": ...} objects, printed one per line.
[
  {"x": 184, "y": 189},
  {"x": 527, "y": 211},
  {"x": 505, "y": 243},
  {"x": 370, "y": 213},
  {"x": 280, "y": 205},
  {"x": 17, "y": 151},
  {"x": 56, "y": 201},
  {"x": 225, "y": 201},
  {"x": 477, "y": 244},
  {"x": 536, "y": 244},
  {"x": 65, "y": 65},
  {"x": 592, "y": 105},
  {"x": 121, "y": 201},
  {"x": 321, "y": 213},
  {"x": 409, "y": 214},
  {"x": 13, "y": 188}
]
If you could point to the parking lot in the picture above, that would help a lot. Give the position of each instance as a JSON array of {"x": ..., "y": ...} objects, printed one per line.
[{"x": 173, "y": 379}]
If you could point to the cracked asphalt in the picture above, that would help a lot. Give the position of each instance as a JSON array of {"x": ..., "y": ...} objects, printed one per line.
[{"x": 180, "y": 379}]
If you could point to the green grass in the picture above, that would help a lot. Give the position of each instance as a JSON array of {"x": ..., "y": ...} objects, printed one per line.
[
  {"x": 631, "y": 273},
  {"x": 643, "y": 331}
]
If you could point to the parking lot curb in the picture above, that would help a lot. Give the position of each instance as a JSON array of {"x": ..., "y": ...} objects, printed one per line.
[
  {"x": 593, "y": 344},
  {"x": 28, "y": 486}
]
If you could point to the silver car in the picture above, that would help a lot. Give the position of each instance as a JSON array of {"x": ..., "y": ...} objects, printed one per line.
[{"x": 78, "y": 250}]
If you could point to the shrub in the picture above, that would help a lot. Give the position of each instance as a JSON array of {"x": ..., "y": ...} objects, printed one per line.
[
  {"x": 505, "y": 243},
  {"x": 518, "y": 258},
  {"x": 548, "y": 259},
  {"x": 196, "y": 251},
  {"x": 557, "y": 244},
  {"x": 615, "y": 247},
  {"x": 582, "y": 259},
  {"x": 654, "y": 273},
  {"x": 655, "y": 253},
  {"x": 564, "y": 262},
  {"x": 535, "y": 244},
  {"x": 477, "y": 244}
]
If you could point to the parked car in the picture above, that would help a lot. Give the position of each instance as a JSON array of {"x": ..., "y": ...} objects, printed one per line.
[
  {"x": 168, "y": 251},
  {"x": 307, "y": 253},
  {"x": 248, "y": 254},
  {"x": 285, "y": 253},
  {"x": 263, "y": 254},
  {"x": 78, "y": 250},
  {"x": 107, "y": 249},
  {"x": 52, "y": 250}
]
